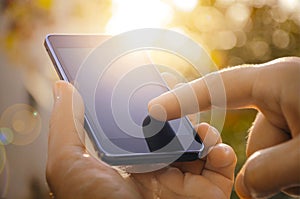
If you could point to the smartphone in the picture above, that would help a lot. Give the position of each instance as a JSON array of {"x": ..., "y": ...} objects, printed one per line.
[{"x": 121, "y": 130}]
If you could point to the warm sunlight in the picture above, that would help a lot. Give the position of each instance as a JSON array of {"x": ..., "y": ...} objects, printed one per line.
[
  {"x": 232, "y": 32},
  {"x": 185, "y": 6},
  {"x": 133, "y": 14}
]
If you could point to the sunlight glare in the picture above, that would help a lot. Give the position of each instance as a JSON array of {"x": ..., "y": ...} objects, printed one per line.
[
  {"x": 186, "y": 6},
  {"x": 133, "y": 14},
  {"x": 86, "y": 155},
  {"x": 289, "y": 5}
]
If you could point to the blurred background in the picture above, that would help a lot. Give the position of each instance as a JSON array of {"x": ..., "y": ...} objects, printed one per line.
[{"x": 232, "y": 31}]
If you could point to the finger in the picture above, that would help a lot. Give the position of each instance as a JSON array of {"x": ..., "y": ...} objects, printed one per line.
[
  {"x": 199, "y": 95},
  {"x": 210, "y": 137},
  {"x": 270, "y": 170},
  {"x": 222, "y": 160},
  {"x": 263, "y": 134},
  {"x": 173, "y": 82},
  {"x": 64, "y": 145},
  {"x": 66, "y": 119},
  {"x": 217, "y": 176},
  {"x": 170, "y": 79}
]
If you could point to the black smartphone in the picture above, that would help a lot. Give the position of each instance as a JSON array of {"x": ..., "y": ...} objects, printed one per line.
[{"x": 121, "y": 131}]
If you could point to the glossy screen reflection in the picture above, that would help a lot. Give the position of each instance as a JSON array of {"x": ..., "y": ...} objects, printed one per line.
[{"x": 121, "y": 101}]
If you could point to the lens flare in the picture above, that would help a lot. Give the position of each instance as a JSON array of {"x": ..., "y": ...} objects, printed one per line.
[
  {"x": 22, "y": 122},
  {"x": 6, "y": 136}
]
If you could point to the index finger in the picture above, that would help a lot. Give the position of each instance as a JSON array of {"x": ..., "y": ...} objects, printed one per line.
[{"x": 199, "y": 95}]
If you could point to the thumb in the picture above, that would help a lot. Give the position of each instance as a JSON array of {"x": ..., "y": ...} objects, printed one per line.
[
  {"x": 64, "y": 144},
  {"x": 270, "y": 170},
  {"x": 66, "y": 120}
]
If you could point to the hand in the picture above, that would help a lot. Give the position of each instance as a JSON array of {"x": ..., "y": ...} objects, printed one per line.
[
  {"x": 273, "y": 89},
  {"x": 73, "y": 173}
]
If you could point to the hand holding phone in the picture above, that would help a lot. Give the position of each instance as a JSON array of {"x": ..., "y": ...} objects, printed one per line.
[{"x": 73, "y": 173}]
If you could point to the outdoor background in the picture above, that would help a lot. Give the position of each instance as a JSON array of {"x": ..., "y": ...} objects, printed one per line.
[{"x": 232, "y": 31}]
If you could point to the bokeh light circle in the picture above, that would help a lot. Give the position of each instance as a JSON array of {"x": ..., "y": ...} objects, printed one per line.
[
  {"x": 280, "y": 38},
  {"x": 20, "y": 124}
]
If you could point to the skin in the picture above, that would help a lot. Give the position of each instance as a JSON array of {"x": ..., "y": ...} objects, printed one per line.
[
  {"x": 73, "y": 173},
  {"x": 273, "y": 88}
]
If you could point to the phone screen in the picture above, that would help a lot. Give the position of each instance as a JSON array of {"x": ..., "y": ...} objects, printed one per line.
[{"x": 121, "y": 101}]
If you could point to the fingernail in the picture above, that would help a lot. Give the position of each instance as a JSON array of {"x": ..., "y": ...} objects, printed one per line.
[
  {"x": 215, "y": 132},
  {"x": 210, "y": 140},
  {"x": 158, "y": 112}
]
